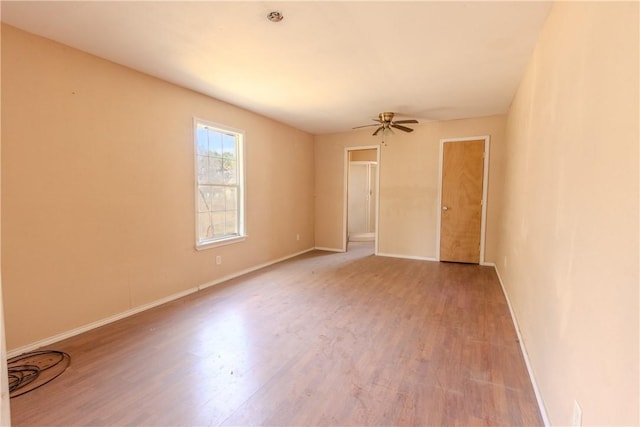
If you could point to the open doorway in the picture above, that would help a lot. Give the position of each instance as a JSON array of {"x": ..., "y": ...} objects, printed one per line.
[{"x": 361, "y": 197}]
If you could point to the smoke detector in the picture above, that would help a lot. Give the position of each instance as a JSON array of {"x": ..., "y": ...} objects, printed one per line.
[{"x": 275, "y": 16}]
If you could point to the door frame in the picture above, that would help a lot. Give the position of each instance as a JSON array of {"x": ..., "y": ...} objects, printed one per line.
[
  {"x": 345, "y": 199},
  {"x": 485, "y": 179}
]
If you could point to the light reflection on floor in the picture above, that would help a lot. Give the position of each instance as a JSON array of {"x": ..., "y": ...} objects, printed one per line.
[{"x": 225, "y": 362}]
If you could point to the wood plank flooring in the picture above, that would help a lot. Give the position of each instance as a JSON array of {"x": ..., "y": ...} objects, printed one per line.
[{"x": 322, "y": 339}]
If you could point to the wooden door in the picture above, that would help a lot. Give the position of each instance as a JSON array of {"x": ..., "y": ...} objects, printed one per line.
[{"x": 461, "y": 219}]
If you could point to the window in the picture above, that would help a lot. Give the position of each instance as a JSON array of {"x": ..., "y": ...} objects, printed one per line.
[{"x": 219, "y": 185}]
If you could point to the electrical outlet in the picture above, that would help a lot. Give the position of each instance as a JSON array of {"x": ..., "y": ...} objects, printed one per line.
[
  {"x": 577, "y": 415},
  {"x": 218, "y": 260},
  {"x": 297, "y": 237}
]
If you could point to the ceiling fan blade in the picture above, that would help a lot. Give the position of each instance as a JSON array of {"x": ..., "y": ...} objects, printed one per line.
[
  {"x": 365, "y": 126},
  {"x": 378, "y": 130},
  {"x": 406, "y": 121},
  {"x": 402, "y": 128}
]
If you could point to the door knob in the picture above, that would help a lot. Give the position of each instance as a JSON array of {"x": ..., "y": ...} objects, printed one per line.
[{"x": 445, "y": 208}]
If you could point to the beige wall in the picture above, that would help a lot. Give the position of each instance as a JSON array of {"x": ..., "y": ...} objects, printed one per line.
[
  {"x": 408, "y": 184},
  {"x": 568, "y": 236},
  {"x": 98, "y": 189},
  {"x": 5, "y": 409}
]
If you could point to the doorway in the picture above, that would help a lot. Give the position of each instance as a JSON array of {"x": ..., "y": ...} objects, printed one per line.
[
  {"x": 361, "y": 209},
  {"x": 361, "y": 196},
  {"x": 462, "y": 203}
]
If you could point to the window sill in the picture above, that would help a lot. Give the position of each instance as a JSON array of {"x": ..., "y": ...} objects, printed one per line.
[{"x": 221, "y": 242}]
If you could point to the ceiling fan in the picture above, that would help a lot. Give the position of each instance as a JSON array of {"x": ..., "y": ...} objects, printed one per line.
[{"x": 386, "y": 122}]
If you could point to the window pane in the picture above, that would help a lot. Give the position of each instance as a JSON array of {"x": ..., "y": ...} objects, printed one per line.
[
  {"x": 231, "y": 224},
  {"x": 215, "y": 143},
  {"x": 218, "y": 223},
  {"x": 203, "y": 143},
  {"x": 229, "y": 146},
  {"x": 204, "y": 198},
  {"x": 232, "y": 197},
  {"x": 218, "y": 199},
  {"x": 203, "y": 169},
  {"x": 215, "y": 175},
  {"x": 230, "y": 172},
  {"x": 205, "y": 227}
]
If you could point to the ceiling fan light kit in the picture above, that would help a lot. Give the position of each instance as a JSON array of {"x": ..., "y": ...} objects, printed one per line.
[{"x": 386, "y": 123}]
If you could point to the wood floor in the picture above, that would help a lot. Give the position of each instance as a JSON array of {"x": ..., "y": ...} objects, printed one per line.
[{"x": 323, "y": 339}]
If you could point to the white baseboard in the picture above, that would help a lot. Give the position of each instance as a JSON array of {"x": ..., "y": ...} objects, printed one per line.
[
  {"x": 93, "y": 325},
  {"x": 536, "y": 390},
  {"x": 320, "y": 248},
  {"x": 361, "y": 237},
  {"x": 419, "y": 258},
  {"x": 250, "y": 270}
]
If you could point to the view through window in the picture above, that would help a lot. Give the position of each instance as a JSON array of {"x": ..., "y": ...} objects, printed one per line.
[{"x": 219, "y": 192}]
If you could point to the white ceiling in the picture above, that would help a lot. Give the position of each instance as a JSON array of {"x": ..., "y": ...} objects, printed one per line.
[{"x": 327, "y": 67}]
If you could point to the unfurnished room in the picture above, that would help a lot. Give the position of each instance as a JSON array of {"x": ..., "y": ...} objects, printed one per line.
[{"x": 320, "y": 213}]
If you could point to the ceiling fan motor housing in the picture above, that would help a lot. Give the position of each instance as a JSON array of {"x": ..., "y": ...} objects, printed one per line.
[{"x": 386, "y": 117}]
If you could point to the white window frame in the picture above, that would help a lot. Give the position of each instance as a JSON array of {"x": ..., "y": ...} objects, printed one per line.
[{"x": 240, "y": 165}]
